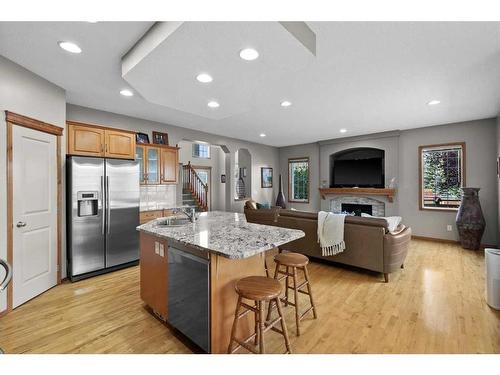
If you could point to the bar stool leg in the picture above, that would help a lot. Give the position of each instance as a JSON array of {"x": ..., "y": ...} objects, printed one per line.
[
  {"x": 270, "y": 307},
  {"x": 309, "y": 291},
  {"x": 233, "y": 329},
  {"x": 287, "y": 286},
  {"x": 257, "y": 331},
  {"x": 283, "y": 326},
  {"x": 261, "y": 328},
  {"x": 296, "y": 296}
]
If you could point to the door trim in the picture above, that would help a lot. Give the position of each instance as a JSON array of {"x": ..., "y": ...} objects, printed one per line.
[{"x": 12, "y": 119}]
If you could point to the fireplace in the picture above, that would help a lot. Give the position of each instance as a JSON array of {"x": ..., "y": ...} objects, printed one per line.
[{"x": 357, "y": 209}]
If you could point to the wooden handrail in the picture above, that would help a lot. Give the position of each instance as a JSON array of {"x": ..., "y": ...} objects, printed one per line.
[{"x": 192, "y": 182}]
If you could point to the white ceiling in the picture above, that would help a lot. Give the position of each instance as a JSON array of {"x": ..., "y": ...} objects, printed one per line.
[{"x": 366, "y": 77}]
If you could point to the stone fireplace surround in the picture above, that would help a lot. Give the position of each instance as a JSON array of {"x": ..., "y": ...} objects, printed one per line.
[{"x": 378, "y": 207}]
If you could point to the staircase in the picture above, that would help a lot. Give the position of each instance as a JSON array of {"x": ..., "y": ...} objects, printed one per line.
[
  {"x": 194, "y": 191},
  {"x": 188, "y": 200}
]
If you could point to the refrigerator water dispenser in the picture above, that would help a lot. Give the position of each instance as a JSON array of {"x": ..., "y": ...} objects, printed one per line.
[{"x": 87, "y": 203}]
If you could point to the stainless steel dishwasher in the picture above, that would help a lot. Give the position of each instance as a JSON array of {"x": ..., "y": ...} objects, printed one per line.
[{"x": 188, "y": 296}]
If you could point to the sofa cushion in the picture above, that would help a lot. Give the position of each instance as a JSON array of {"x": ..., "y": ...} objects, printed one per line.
[{"x": 251, "y": 204}]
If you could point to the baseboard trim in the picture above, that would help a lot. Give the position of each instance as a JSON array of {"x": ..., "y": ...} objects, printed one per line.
[{"x": 442, "y": 240}]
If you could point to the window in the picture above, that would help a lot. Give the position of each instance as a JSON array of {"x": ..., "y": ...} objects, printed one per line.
[
  {"x": 298, "y": 180},
  {"x": 201, "y": 150},
  {"x": 442, "y": 174}
]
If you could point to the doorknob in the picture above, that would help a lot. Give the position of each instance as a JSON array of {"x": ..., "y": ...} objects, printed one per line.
[{"x": 21, "y": 224}]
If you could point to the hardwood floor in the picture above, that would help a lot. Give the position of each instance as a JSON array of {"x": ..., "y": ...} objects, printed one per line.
[{"x": 435, "y": 305}]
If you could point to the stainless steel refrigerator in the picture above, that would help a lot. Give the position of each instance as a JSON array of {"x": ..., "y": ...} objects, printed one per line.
[{"x": 102, "y": 215}]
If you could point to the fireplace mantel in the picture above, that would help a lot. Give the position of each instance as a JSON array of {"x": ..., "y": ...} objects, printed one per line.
[{"x": 389, "y": 193}]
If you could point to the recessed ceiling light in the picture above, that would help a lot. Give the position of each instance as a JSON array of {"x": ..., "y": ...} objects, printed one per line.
[
  {"x": 70, "y": 47},
  {"x": 213, "y": 104},
  {"x": 343, "y": 130},
  {"x": 262, "y": 134},
  {"x": 286, "y": 103},
  {"x": 204, "y": 78},
  {"x": 126, "y": 92},
  {"x": 249, "y": 54},
  {"x": 92, "y": 21},
  {"x": 434, "y": 102}
]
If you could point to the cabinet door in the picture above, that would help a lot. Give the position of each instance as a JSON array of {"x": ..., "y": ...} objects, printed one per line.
[
  {"x": 85, "y": 140},
  {"x": 169, "y": 165},
  {"x": 154, "y": 273},
  {"x": 140, "y": 156},
  {"x": 152, "y": 165},
  {"x": 119, "y": 144}
]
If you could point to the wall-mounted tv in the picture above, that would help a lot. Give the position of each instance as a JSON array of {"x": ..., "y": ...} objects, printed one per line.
[{"x": 358, "y": 167}]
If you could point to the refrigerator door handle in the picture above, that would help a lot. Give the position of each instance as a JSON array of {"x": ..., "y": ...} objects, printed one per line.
[
  {"x": 103, "y": 205},
  {"x": 107, "y": 203}
]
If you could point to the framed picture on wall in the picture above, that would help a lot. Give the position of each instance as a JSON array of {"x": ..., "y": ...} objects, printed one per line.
[
  {"x": 266, "y": 177},
  {"x": 223, "y": 178},
  {"x": 141, "y": 138},
  {"x": 160, "y": 138}
]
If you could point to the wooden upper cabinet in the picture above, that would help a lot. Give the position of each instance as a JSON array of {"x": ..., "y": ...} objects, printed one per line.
[
  {"x": 119, "y": 144},
  {"x": 169, "y": 165},
  {"x": 85, "y": 140},
  {"x": 92, "y": 140}
]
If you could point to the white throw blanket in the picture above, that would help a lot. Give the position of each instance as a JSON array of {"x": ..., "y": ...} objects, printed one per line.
[{"x": 331, "y": 233}]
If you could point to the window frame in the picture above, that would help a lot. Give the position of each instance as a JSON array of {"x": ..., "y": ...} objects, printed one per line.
[
  {"x": 423, "y": 148},
  {"x": 193, "y": 154},
  {"x": 302, "y": 159}
]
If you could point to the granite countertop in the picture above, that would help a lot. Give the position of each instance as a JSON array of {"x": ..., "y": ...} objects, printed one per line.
[{"x": 225, "y": 233}]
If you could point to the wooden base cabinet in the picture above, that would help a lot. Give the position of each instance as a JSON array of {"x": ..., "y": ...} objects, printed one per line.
[
  {"x": 154, "y": 273},
  {"x": 93, "y": 140}
]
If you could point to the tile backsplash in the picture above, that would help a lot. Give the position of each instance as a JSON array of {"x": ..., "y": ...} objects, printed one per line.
[{"x": 158, "y": 197}]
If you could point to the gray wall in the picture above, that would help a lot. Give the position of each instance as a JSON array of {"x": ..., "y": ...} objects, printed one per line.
[
  {"x": 482, "y": 140},
  {"x": 310, "y": 150},
  {"x": 262, "y": 156},
  {"x": 498, "y": 180},
  {"x": 27, "y": 94}
]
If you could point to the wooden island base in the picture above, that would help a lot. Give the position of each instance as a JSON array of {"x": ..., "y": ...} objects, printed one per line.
[{"x": 223, "y": 274}]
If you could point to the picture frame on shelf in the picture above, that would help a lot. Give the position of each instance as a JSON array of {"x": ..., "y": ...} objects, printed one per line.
[
  {"x": 141, "y": 138},
  {"x": 266, "y": 177},
  {"x": 160, "y": 138}
]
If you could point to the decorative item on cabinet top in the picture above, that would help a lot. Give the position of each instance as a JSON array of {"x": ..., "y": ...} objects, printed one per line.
[
  {"x": 160, "y": 138},
  {"x": 100, "y": 141}
]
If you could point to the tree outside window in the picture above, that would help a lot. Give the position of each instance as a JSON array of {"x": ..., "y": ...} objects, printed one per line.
[
  {"x": 298, "y": 180},
  {"x": 441, "y": 176}
]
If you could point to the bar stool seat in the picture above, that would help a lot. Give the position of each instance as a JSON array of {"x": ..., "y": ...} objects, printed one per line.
[
  {"x": 292, "y": 259},
  {"x": 258, "y": 289}
]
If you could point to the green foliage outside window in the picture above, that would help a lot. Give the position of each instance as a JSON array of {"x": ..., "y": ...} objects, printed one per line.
[
  {"x": 299, "y": 179},
  {"x": 442, "y": 177}
]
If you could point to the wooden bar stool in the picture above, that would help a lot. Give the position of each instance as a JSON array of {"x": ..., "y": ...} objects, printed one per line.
[
  {"x": 258, "y": 289},
  {"x": 292, "y": 262}
]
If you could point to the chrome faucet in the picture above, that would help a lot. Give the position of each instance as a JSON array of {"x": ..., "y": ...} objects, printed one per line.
[{"x": 191, "y": 213}]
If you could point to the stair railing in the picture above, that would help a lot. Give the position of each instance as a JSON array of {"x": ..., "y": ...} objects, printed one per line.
[{"x": 194, "y": 184}]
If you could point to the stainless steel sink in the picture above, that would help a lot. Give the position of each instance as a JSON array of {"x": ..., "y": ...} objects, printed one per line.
[{"x": 173, "y": 221}]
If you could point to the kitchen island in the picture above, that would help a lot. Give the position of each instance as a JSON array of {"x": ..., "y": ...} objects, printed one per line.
[{"x": 188, "y": 272}]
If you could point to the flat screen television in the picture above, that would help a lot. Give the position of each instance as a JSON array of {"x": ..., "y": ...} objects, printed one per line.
[{"x": 363, "y": 167}]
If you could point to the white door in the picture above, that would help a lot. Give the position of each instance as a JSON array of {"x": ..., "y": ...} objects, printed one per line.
[{"x": 34, "y": 179}]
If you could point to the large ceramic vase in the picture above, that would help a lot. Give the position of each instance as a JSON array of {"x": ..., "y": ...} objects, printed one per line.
[
  {"x": 470, "y": 219},
  {"x": 280, "y": 200}
]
